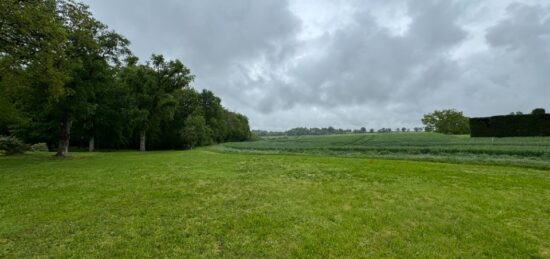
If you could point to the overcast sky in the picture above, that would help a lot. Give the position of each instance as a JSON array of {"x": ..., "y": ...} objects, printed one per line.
[{"x": 377, "y": 63}]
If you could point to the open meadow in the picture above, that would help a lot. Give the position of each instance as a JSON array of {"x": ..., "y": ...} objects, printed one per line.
[
  {"x": 274, "y": 129},
  {"x": 210, "y": 203}
]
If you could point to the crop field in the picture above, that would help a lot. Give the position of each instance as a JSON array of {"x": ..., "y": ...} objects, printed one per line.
[
  {"x": 523, "y": 151},
  {"x": 206, "y": 203}
]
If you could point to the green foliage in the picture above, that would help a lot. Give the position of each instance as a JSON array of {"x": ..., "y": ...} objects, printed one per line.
[
  {"x": 31, "y": 37},
  {"x": 12, "y": 145},
  {"x": 153, "y": 89},
  {"x": 56, "y": 60},
  {"x": 171, "y": 115},
  {"x": 447, "y": 122},
  {"x": 61, "y": 78},
  {"x": 32, "y": 67},
  {"x": 196, "y": 132},
  {"x": 206, "y": 204},
  {"x": 40, "y": 147},
  {"x": 238, "y": 129},
  {"x": 535, "y": 124},
  {"x": 538, "y": 111},
  {"x": 9, "y": 115}
]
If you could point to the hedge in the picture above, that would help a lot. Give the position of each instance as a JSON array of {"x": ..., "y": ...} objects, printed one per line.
[{"x": 511, "y": 126}]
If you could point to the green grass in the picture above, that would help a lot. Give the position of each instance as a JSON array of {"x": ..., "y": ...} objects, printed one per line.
[
  {"x": 524, "y": 151},
  {"x": 208, "y": 204}
]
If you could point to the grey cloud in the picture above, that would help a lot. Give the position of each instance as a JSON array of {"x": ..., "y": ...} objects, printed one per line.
[
  {"x": 526, "y": 26},
  {"x": 219, "y": 40},
  {"x": 434, "y": 24},
  {"x": 210, "y": 31},
  {"x": 364, "y": 62},
  {"x": 522, "y": 42},
  {"x": 357, "y": 71}
]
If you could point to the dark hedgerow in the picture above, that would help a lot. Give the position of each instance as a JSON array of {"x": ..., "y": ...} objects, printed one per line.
[{"x": 535, "y": 124}]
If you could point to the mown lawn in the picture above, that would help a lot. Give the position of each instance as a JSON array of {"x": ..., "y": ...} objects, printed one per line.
[{"x": 207, "y": 204}]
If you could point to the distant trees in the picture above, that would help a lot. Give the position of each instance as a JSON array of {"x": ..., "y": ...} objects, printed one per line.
[
  {"x": 447, "y": 121},
  {"x": 385, "y": 130},
  {"x": 516, "y": 113},
  {"x": 538, "y": 111},
  {"x": 63, "y": 81},
  {"x": 302, "y": 131},
  {"x": 318, "y": 131}
]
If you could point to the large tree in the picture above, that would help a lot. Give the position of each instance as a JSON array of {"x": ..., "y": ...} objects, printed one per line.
[
  {"x": 52, "y": 68},
  {"x": 154, "y": 87},
  {"x": 448, "y": 121},
  {"x": 32, "y": 40},
  {"x": 90, "y": 49}
]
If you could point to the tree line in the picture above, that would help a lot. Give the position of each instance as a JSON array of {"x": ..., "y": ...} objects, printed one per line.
[
  {"x": 303, "y": 131},
  {"x": 66, "y": 79},
  {"x": 446, "y": 121}
]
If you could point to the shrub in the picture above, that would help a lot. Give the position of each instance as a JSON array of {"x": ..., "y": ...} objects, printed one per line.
[
  {"x": 40, "y": 147},
  {"x": 538, "y": 111},
  {"x": 12, "y": 145}
]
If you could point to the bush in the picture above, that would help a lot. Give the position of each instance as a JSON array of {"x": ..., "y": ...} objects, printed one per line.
[
  {"x": 12, "y": 145},
  {"x": 40, "y": 147},
  {"x": 538, "y": 111}
]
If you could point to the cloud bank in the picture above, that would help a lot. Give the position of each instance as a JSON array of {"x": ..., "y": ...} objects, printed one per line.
[{"x": 349, "y": 63}]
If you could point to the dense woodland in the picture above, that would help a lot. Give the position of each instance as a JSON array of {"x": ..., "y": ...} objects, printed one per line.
[{"x": 66, "y": 79}]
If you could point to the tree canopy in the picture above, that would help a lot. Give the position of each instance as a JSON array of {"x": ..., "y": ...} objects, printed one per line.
[
  {"x": 448, "y": 121},
  {"x": 65, "y": 76}
]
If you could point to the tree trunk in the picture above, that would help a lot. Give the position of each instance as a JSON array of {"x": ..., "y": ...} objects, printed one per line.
[
  {"x": 142, "y": 141},
  {"x": 64, "y": 137},
  {"x": 91, "y": 145}
]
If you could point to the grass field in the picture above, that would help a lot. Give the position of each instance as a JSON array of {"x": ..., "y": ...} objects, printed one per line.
[
  {"x": 526, "y": 152},
  {"x": 211, "y": 204}
]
